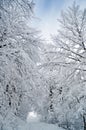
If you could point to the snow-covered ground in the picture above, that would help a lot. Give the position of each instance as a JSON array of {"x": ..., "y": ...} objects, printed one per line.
[
  {"x": 33, "y": 123},
  {"x": 39, "y": 126}
]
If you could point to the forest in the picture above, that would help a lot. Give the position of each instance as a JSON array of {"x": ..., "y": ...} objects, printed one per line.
[{"x": 35, "y": 76}]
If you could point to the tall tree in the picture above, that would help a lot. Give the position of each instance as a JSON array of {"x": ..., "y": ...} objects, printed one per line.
[
  {"x": 19, "y": 47},
  {"x": 71, "y": 43}
]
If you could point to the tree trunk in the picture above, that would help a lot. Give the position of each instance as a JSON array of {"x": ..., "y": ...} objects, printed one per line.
[
  {"x": 51, "y": 98},
  {"x": 84, "y": 121}
]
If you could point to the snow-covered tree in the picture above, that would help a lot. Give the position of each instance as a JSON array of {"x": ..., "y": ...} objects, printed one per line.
[
  {"x": 63, "y": 68},
  {"x": 71, "y": 45},
  {"x": 19, "y": 48},
  {"x": 50, "y": 72}
]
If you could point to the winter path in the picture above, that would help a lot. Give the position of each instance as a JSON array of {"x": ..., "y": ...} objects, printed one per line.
[
  {"x": 33, "y": 123},
  {"x": 39, "y": 126}
]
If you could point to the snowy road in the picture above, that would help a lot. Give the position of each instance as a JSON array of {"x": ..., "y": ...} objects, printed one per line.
[
  {"x": 33, "y": 123},
  {"x": 39, "y": 126}
]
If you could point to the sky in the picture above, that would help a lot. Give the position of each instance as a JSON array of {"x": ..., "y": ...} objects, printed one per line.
[{"x": 47, "y": 12}]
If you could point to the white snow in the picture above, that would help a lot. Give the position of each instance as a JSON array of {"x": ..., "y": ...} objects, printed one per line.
[
  {"x": 39, "y": 126},
  {"x": 34, "y": 124}
]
